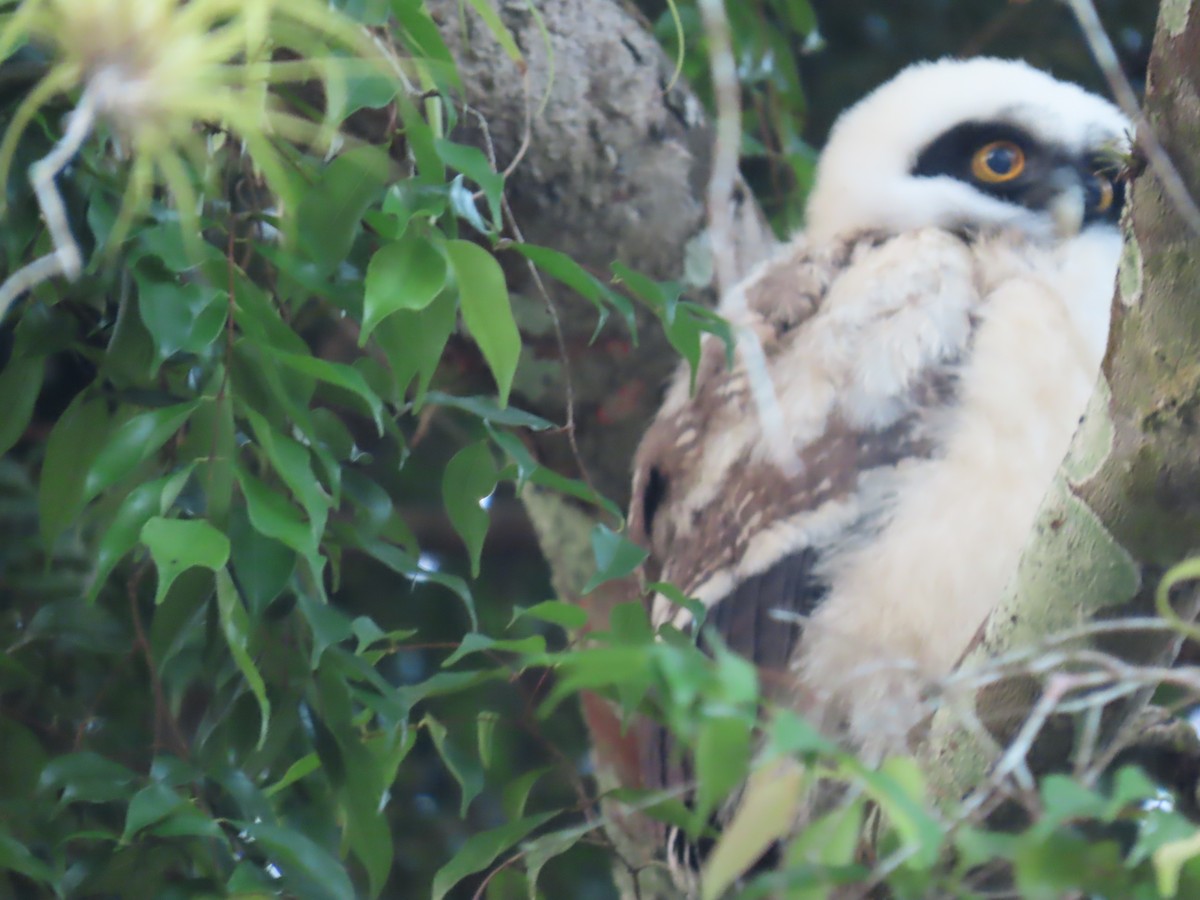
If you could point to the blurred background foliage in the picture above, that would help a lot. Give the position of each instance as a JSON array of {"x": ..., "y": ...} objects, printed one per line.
[{"x": 82, "y": 734}]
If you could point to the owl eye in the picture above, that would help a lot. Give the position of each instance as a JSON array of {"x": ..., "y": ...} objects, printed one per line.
[
  {"x": 1100, "y": 193},
  {"x": 998, "y": 162}
]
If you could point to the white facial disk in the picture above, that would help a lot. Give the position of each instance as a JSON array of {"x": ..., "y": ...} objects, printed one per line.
[{"x": 975, "y": 145}]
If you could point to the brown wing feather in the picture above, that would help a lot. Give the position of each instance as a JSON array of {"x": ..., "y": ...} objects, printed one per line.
[
  {"x": 698, "y": 524},
  {"x": 782, "y": 295}
]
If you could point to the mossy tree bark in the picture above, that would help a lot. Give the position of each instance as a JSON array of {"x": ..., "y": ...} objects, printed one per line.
[{"x": 1126, "y": 503}]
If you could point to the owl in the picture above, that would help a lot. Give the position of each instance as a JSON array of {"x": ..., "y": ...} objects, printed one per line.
[{"x": 930, "y": 340}]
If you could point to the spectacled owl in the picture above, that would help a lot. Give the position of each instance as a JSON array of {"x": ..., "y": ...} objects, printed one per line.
[{"x": 931, "y": 339}]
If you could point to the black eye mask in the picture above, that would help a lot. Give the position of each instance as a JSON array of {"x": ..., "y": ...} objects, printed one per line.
[{"x": 1006, "y": 162}]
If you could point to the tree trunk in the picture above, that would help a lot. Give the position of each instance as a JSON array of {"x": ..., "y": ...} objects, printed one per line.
[{"x": 615, "y": 168}]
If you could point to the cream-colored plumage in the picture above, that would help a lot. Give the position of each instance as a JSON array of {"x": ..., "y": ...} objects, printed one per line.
[{"x": 932, "y": 343}]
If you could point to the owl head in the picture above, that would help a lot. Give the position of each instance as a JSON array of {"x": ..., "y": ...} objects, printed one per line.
[{"x": 971, "y": 145}]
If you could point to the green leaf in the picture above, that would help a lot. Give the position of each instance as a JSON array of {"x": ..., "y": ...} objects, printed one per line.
[
  {"x": 87, "y": 777},
  {"x": 15, "y": 857},
  {"x": 477, "y": 643},
  {"x": 408, "y": 200},
  {"x": 899, "y": 789},
  {"x": 187, "y": 821},
  {"x": 20, "y": 384},
  {"x": 573, "y": 487},
  {"x": 485, "y": 735},
  {"x": 368, "y": 89},
  {"x": 180, "y": 315},
  {"x": 481, "y": 850},
  {"x": 211, "y": 441},
  {"x": 1065, "y": 799},
  {"x": 790, "y": 735},
  {"x": 330, "y": 211},
  {"x": 444, "y": 683},
  {"x": 516, "y": 792},
  {"x": 561, "y": 267},
  {"x": 1063, "y": 862},
  {"x": 1170, "y": 857},
  {"x": 271, "y": 514},
  {"x": 485, "y": 408},
  {"x": 405, "y": 564},
  {"x": 486, "y": 310},
  {"x": 670, "y": 592},
  {"x": 329, "y": 626},
  {"x": 541, "y": 850},
  {"x": 413, "y": 342},
  {"x": 422, "y": 37},
  {"x": 293, "y": 464},
  {"x": 70, "y": 449},
  {"x": 340, "y": 376},
  {"x": 263, "y": 566},
  {"x": 766, "y": 812},
  {"x": 469, "y": 478},
  {"x": 177, "y": 545},
  {"x": 301, "y": 768},
  {"x": 977, "y": 846},
  {"x": 556, "y": 612},
  {"x": 683, "y": 322},
  {"x": 629, "y": 623},
  {"x": 151, "y": 804},
  {"x": 420, "y": 138},
  {"x": 465, "y": 770},
  {"x": 502, "y": 35},
  {"x": 235, "y": 624},
  {"x": 407, "y": 274},
  {"x": 831, "y": 840},
  {"x": 124, "y": 532},
  {"x": 1130, "y": 785},
  {"x": 472, "y": 162},
  {"x": 722, "y": 758},
  {"x": 616, "y": 556},
  {"x": 133, "y": 442},
  {"x": 301, "y": 859},
  {"x": 600, "y": 667},
  {"x": 367, "y": 779}
]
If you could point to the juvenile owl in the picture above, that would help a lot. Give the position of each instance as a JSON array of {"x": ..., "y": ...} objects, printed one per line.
[{"x": 931, "y": 339}]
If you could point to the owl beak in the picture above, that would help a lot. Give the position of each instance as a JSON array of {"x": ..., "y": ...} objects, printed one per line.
[{"x": 1069, "y": 203}]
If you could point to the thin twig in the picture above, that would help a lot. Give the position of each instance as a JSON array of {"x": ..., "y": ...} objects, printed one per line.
[
  {"x": 1106, "y": 57},
  {"x": 721, "y": 185},
  {"x": 561, "y": 342},
  {"x": 65, "y": 258},
  {"x": 526, "y": 128}
]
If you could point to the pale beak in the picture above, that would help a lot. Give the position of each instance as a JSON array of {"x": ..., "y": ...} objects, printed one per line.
[{"x": 1069, "y": 205}]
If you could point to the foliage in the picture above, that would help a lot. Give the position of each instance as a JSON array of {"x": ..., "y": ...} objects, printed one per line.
[
  {"x": 215, "y": 439},
  {"x": 770, "y": 37},
  {"x": 192, "y": 476}
]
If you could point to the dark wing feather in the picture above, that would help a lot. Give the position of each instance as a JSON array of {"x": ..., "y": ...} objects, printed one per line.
[{"x": 760, "y": 618}]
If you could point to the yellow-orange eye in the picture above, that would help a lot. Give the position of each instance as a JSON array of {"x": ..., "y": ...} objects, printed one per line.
[
  {"x": 998, "y": 162},
  {"x": 1101, "y": 193}
]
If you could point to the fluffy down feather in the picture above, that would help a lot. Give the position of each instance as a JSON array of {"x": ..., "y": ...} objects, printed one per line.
[{"x": 932, "y": 345}]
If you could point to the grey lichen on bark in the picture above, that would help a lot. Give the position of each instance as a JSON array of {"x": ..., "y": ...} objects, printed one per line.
[{"x": 1126, "y": 502}]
